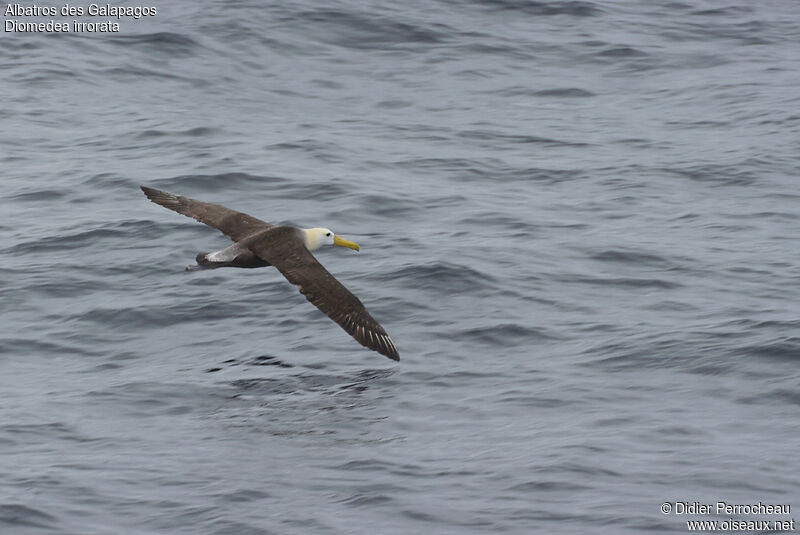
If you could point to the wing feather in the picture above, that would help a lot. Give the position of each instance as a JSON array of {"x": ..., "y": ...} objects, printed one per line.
[
  {"x": 283, "y": 248},
  {"x": 237, "y": 225}
]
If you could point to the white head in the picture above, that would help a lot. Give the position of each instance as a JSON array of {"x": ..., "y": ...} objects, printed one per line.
[{"x": 317, "y": 237}]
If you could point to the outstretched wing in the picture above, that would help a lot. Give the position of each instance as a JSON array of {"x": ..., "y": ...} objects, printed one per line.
[
  {"x": 283, "y": 247},
  {"x": 235, "y": 224}
]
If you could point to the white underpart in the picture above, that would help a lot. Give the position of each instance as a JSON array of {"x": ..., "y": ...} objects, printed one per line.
[{"x": 227, "y": 254}]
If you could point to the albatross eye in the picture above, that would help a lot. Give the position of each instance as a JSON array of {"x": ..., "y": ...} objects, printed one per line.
[{"x": 328, "y": 234}]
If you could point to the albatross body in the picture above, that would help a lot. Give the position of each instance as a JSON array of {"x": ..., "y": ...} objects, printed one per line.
[{"x": 259, "y": 244}]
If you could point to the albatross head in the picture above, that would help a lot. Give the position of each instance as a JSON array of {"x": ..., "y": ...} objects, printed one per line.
[{"x": 317, "y": 237}]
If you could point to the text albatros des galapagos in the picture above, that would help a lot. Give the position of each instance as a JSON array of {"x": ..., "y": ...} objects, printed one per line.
[{"x": 93, "y": 10}]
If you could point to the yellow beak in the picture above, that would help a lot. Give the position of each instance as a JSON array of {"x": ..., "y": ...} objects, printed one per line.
[{"x": 341, "y": 242}]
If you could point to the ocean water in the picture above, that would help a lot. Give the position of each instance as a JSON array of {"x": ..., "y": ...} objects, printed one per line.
[{"x": 578, "y": 222}]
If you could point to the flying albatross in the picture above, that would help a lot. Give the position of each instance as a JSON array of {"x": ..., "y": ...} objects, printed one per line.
[{"x": 258, "y": 243}]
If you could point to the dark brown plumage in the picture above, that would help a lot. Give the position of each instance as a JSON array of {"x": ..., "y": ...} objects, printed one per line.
[
  {"x": 233, "y": 224},
  {"x": 283, "y": 248},
  {"x": 259, "y": 243}
]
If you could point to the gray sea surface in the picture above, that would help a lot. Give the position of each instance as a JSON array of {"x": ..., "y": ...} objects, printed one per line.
[{"x": 578, "y": 220}]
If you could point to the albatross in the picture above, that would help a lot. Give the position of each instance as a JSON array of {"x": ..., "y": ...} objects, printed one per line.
[{"x": 257, "y": 243}]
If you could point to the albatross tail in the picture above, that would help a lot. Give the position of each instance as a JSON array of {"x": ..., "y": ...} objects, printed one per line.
[{"x": 233, "y": 256}]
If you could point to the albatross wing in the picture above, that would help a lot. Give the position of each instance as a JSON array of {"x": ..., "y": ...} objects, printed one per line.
[
  {"x": 235, "y": 224},
  {"x": 283, "y": 248}
]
